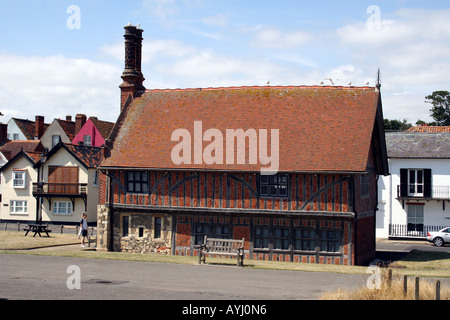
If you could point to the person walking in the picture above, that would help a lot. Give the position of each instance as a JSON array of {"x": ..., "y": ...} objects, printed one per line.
[{"x": 84, "y": 229}]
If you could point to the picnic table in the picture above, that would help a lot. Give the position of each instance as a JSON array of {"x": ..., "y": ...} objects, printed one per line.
[{"x": 37, "y": 228}]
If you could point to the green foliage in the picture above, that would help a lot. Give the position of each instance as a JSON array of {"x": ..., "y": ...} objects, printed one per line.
[{"x": 440, "y": 111}]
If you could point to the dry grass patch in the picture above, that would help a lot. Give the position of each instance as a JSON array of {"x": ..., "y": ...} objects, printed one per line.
[{"x": 393, "y": 290}]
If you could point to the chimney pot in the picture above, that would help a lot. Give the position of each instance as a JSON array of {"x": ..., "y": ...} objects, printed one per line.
[
  {"x": 133, "y": 79},
  {"x": 39, "y": 127},
  {"x": 80, "y": 120}
]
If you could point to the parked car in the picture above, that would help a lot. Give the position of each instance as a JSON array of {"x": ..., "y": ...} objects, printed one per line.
[{"x": 439, "y": 238}]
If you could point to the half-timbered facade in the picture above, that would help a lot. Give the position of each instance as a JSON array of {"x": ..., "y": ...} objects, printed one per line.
[{"x": 317, "y": 205}]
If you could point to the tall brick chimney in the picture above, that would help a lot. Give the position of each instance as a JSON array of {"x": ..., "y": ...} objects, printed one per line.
[
  {"x": 39, "y": 127},
  {"x": 133, "y": 79},
  {"x": 80, "y": 120}
]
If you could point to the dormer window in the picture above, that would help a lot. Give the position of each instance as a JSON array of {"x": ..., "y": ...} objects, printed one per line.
[
  {"x": 19, "y": 179},
  {"x": 87, "y": 140}
]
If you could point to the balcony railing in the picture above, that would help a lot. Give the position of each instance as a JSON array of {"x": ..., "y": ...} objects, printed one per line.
[
  {"x": 411, "y": 231},
  {"x": 437, "y": 193},
  {"x": 73, "y": 189}
]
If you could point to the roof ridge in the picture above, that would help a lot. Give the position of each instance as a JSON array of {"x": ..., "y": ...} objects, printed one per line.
[{"x": 262, "y": 87}]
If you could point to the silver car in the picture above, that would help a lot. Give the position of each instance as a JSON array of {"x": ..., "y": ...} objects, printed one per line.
[{"x": 439, "y": 238}]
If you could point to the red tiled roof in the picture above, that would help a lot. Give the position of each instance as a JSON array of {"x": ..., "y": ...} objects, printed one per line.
[
  {"x": 320, "y": 128},
  {"x": 28, "y": 127},
  {"x": 430, "y": 129},
  {"x": 68, "y": 127},
  {"x": 104, "y": 127},
  {"x": 11, "y": 148}
]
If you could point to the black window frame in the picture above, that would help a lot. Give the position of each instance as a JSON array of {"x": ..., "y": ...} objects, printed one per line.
[
  {"x": 281, "y": 238},
  {"x": 331, "y": 242},
  {"x": 137, "y": 182},
  {"x": 305, "y": 239},
  {"x": 262, "y": 236},
  {"x": 157, "y": 228},
  {"x": 274, "y": 186}
]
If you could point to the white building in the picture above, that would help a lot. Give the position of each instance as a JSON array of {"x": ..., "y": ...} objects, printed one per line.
[{"x": 415, "y": 198}]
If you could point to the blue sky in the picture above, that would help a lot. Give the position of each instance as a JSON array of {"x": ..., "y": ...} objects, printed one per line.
[{"x": 49, "y": 69}]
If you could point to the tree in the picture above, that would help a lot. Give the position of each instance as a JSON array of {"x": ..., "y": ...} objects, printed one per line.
[
  {"x": 440, "y": 111},
  {"x": 396, "y": 125}
]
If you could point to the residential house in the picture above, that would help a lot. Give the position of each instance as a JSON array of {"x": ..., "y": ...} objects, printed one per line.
[
  {"x": 414, "y": 199},
  {"x": 170, "y": 178},
  {"x": 67, "y": 183},
  {"x": 17, "y": 176},
  {"x": 21, "y": 129},
  {"x": 94, "y": 132},
  {"x": 62, "y": 130},
  {"x": 10, "y": 149}
]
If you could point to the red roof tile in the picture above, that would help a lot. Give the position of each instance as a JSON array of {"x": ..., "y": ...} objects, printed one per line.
[
  {"x": 11, "y": 148},
  {"x": 320, "y": 128},
  {"x": 430, "y": 129}
]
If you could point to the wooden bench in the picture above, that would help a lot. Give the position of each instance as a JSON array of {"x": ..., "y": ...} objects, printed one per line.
[{"x": 222, "y": 247}]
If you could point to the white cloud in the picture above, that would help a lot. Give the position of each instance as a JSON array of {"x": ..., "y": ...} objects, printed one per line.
[
  {"x": 57, "y": 86},
  {"x": 162, "y": 9},
  {"x": 219, "y": 20},
  {"x": 271, "y": 37},
  {"x": 411, "y": 46}
]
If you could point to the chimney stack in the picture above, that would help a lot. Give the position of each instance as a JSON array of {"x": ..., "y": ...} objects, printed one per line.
[
  {"x": 132, "y": 85},
  {"x": 68, "y": 118},
  {"x": 80, "y": 120},
  {"x": 38, "y": 127}
]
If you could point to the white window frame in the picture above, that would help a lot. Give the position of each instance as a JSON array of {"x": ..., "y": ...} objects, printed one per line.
[
  {"x": 19, "y": 182},
  {"x": 15, "y": 208},
  {"x": 60, "y": 210},
  {"x": 415, "y": 186}
]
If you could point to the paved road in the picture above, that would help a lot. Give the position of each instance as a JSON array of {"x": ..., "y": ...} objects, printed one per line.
[{"x": 45, "y": 277}]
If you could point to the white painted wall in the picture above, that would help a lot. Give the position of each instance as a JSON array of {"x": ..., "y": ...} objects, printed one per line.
[{"x": 391, "y": 211}]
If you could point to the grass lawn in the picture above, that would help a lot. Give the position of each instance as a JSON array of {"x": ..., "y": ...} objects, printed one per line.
[
  {"x": 16, "y": 240},
  {"x": 417, "y": 263}
]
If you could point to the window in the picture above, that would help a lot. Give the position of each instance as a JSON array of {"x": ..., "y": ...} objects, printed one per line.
[
  {"x": 125, "y": 225},
  {"x": 157, "y": 227},
  {"x": 222, "y": 231},
  {"x": 364, "y": 186},
  {"x": 201, "y": 230},
  {"x": 137, "y": 182},
  {"x": 87, "y": 140},
  {"x": 305, "y": 240},
  {"x": 95, "y": 182},
  {"x": 281, "y": 238},
  {"x": 415, "y": 217},
  {"x": 273, "y": 186},
  {"x": 141, "y": 232},
  {"x": 15, "y": 136},
  {"x": 62, "y": 207},
  {"x": 18, "y": 206},
  {"x": 415, "y": 182},
  {"x": 329, "y": 240},
  {"x": 55, "y": 140},
  {"x": 262, "y": 236},
  {"x": 19, "y": 179}
]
